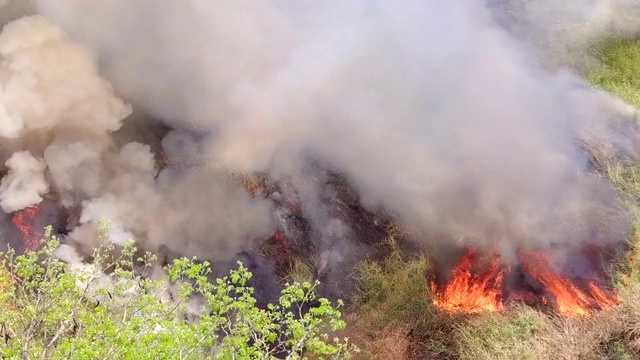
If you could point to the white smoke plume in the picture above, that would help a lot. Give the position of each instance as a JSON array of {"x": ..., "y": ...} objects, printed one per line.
[
  {"x": 432, "y": 109},
  {"x": 24, "y": 184},
  {"x": 57, "y": 117},
  {"x": 50, "y": 83},
  {"x": 49, "y": 88}
]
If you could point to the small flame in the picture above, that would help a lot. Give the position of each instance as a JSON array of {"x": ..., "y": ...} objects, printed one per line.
[
  {"x": 471, "y": 293},
  {"x": 23, "y": 220},
  {"x": 570, "y": 300}
]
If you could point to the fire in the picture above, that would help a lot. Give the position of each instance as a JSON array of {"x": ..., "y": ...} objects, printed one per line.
[
  {"x": 23, "y": 220},
  {"x": 569, "y": 298},
  {"x": 481, "y": 292},
  {"x": 471, "y": 293}
]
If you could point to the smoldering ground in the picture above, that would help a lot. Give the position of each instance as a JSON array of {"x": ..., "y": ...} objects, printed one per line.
[{"x": 433, "y": 110}]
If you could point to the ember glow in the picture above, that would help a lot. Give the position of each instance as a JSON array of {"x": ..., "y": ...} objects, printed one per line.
[
  {"x": 23, "y": 220},
  {"x": 484, "y": 290},
  {"x": 468, "y": 292}
]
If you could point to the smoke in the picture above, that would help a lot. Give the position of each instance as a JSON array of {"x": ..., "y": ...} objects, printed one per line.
[
  {"x": 57, "y": 122},
  {"x": 565, "y": 30},
  {"x": 14, "y": 9},
  {"x": 433, "y": 110},
  {"x": 50, "y": 89},
  {"x": 25, "y": 184}
]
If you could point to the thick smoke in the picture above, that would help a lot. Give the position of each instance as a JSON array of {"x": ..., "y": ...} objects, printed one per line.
[
  {"x": 14, "y": 9},
  {"x": 59, "y": 116},
  {"x": 25, "y": 184},
  {"x": 50, "y": 91},
  {"x": 433, "y": 110}
]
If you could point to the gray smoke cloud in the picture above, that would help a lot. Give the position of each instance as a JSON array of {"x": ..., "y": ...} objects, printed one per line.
[{"x": 434, "y": 110}]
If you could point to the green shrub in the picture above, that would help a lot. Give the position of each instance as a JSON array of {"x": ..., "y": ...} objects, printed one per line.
[{"x": 53, "y": 310}]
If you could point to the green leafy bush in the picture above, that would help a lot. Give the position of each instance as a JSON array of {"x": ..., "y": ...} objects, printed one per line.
[{"x": 55, "y": 310}]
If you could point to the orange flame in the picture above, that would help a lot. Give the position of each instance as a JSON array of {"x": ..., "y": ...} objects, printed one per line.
[
  {"x": 482, "y": 292},
  {"x": 570, "y": 300},
  {"x": 23, "y": 220},
  {"x": 471, "y": 293}
]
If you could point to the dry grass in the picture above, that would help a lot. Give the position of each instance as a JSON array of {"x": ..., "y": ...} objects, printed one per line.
[
  {"x": 524, "y": 333},
  {"x": 519, "y": 333},
  {"x": 377, "y": 343},
  {"x": 592, "y": 337},
  {"x": 395, "y": 317},
  {"x": 396, "y": 290},
  {"x": 510, "y": 335},
  {"x": 300, "y": 272},
  {"x": 252, "y": 183}
]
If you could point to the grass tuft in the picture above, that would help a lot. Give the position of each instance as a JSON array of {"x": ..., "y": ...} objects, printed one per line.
[
  {"x": 620, "y": 69},
  {"x": 395, "y": 309},
  {"x": 396, "y": 289},
  {"x": 510, "y": 335},
  {"x": 300, "y": 272}
]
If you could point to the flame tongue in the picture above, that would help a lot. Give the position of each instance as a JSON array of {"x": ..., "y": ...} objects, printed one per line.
[
  {"x": 23, "y": 220},
  {"x": 471, "y": 293},
  {"x": 571, "y": 300}
]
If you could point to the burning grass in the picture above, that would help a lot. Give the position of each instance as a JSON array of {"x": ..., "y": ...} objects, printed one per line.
[
  {"x": 471, "y": 292},
  {"x": 613, "y": 333},
  {"x": 475, "y": 287},
  {"x": 396, "y": 316},
  {"x": 23, "y": 220},
  {"x": 569, "y": 298}
]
